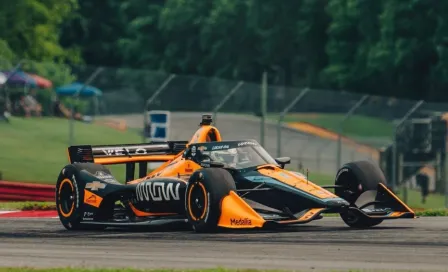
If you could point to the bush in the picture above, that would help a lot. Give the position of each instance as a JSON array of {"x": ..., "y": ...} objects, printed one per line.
[{"x": 433, "y": 212}]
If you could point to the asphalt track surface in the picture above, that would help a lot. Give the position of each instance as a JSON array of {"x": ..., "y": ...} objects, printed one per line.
[
  {"x": 317, "y": 154},
  {"x": 418, "y": 244}
]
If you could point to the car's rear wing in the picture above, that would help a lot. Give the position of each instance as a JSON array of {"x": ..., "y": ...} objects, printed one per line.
[{"x": 126, "y": 153}]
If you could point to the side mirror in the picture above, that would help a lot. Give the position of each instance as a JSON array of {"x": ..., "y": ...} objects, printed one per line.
[{"x": 283, "y": 161}]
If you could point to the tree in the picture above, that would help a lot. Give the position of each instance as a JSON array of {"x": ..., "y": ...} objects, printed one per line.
[
  {"x": 95, "y": 28},
  {"x": 31, "y": 28}
]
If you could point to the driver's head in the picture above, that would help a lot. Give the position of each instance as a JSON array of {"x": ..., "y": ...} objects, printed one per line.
[{"x": 226, "y": 156}]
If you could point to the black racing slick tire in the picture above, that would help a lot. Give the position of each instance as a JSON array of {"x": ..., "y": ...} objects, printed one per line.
[
  {"x": 356, "y": 178},
  {"x": 205, "y": 190},
  {"x": 70, "y": 195}
]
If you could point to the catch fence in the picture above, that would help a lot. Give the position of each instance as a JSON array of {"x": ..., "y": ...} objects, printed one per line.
[{"x": 319, "y": 129}]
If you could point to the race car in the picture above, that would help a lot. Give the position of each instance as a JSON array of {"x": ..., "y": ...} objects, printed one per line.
[{"x": 211, "y": 184}]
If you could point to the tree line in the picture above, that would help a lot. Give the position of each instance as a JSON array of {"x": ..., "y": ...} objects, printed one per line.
[{"x": 382, "y": 47}]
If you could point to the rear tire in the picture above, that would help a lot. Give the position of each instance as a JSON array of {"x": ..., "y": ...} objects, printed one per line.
[
  {"x": 70, "y": 195},
  {"x": 357, "y": 178},
  {"x": 205, "y": 190}
]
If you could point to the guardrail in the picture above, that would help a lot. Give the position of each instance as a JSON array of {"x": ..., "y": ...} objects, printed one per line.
[{"x": 19, "y": 191}]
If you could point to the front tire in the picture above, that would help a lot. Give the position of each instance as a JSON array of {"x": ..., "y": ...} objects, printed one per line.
[
  {"x": 357, "y": 178},
  {"x": 205, "y": 190},
  {"x": 70, "y": 195}
]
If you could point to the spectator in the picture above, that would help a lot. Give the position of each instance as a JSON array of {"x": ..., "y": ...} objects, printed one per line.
[
  {"x": 30, "y": 104},
  {"x": 3, "y": 109},
  {"x": 423, "y": 181},
  {"x": 60, "y": 110}
]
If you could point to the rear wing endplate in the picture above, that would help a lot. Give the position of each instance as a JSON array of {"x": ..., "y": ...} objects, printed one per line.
[{"x": 126, "y": 153}]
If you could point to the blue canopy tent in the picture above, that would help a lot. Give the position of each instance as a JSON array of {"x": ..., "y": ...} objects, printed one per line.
[
  {"x": 19, "y": 78},
  {"x": 78, "y": 90},
  {"x": 73, "y": 89}
]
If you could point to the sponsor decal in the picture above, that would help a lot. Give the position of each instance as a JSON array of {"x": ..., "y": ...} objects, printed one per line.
[
  {"x": 193, "y": 151},
  {"x": 219, "y": 147},
  {"x": 207, "y": 213},
  {"x": 94, "y": 186},
  {"x": 260, "y": 178},
  {"x": 202, "y": 148},
  {"x": 124, "y": 151},
  {"x": 246, "y": 143},
  {"x": 188, "y": 169},
  {"x": 340, "y": 172},
  {"x": 88, "y": 216},
  {"x": 157, "y": 191},
  {"x": 75, "y": 184},
  {"x": 105, "y": 177},
  {"x": 240, "y": 222},
  {"x": 91, "y": 199}
]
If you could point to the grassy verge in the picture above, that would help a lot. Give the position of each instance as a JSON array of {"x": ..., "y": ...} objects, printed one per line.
[
  {"x": 27, "y": 206},
  {"x": 124, "y": 270},
  {"x": 27, "y": 269},
  {"x": 35, "y": 149},
  {"x": 355, "y": 126}
]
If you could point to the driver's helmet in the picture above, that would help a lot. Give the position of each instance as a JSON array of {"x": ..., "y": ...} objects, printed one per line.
[{"x": 229, "y": 156}]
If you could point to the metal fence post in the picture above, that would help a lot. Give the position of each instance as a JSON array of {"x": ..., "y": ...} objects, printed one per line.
[
  {"x": 263, "y": 106},
  {"x": 226, "y": 98},
  {"x": 394, "y": 143},
  {"x": 282, "y": 116},
  {"x": 76, "y": 95},
  {"x": 400, "y": 176},
  {"x": 347, "y": 115},
  {"x": 151, "y": 99},
  {"x": 446, "y": 185}
]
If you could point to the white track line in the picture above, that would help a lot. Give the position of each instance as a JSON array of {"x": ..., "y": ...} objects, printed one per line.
[
  {"x": 32, "y": 217},
  {"x": 3, "y": 212}
]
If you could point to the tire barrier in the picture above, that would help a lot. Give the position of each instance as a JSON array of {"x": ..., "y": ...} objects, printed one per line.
[{"x": 18, "y": 191}]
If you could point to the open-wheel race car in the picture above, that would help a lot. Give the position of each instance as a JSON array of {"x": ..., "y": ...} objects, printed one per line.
[{"x": 211, "y": 184}]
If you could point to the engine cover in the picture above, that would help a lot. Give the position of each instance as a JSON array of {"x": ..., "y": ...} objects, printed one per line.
[{"x": 160, "y": 195}]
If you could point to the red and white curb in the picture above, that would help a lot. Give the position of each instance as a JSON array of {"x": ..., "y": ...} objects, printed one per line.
[{"x": 28, "y": 214}]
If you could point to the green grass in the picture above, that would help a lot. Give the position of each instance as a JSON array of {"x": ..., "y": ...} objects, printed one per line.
[
  {"x": 27, "y": 269},
  {"x": 124, "y": 270},
  {"x": 355, "y": 126},
  {"x": 35, "y": 149},
  {"x": 27, "y": 206}
]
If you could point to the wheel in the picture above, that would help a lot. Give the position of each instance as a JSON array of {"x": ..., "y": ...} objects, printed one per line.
[
  {"x": 355, "y": 179},
  {"x": 205, "y": 190},
  {"x": 70, "y": 195}
]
